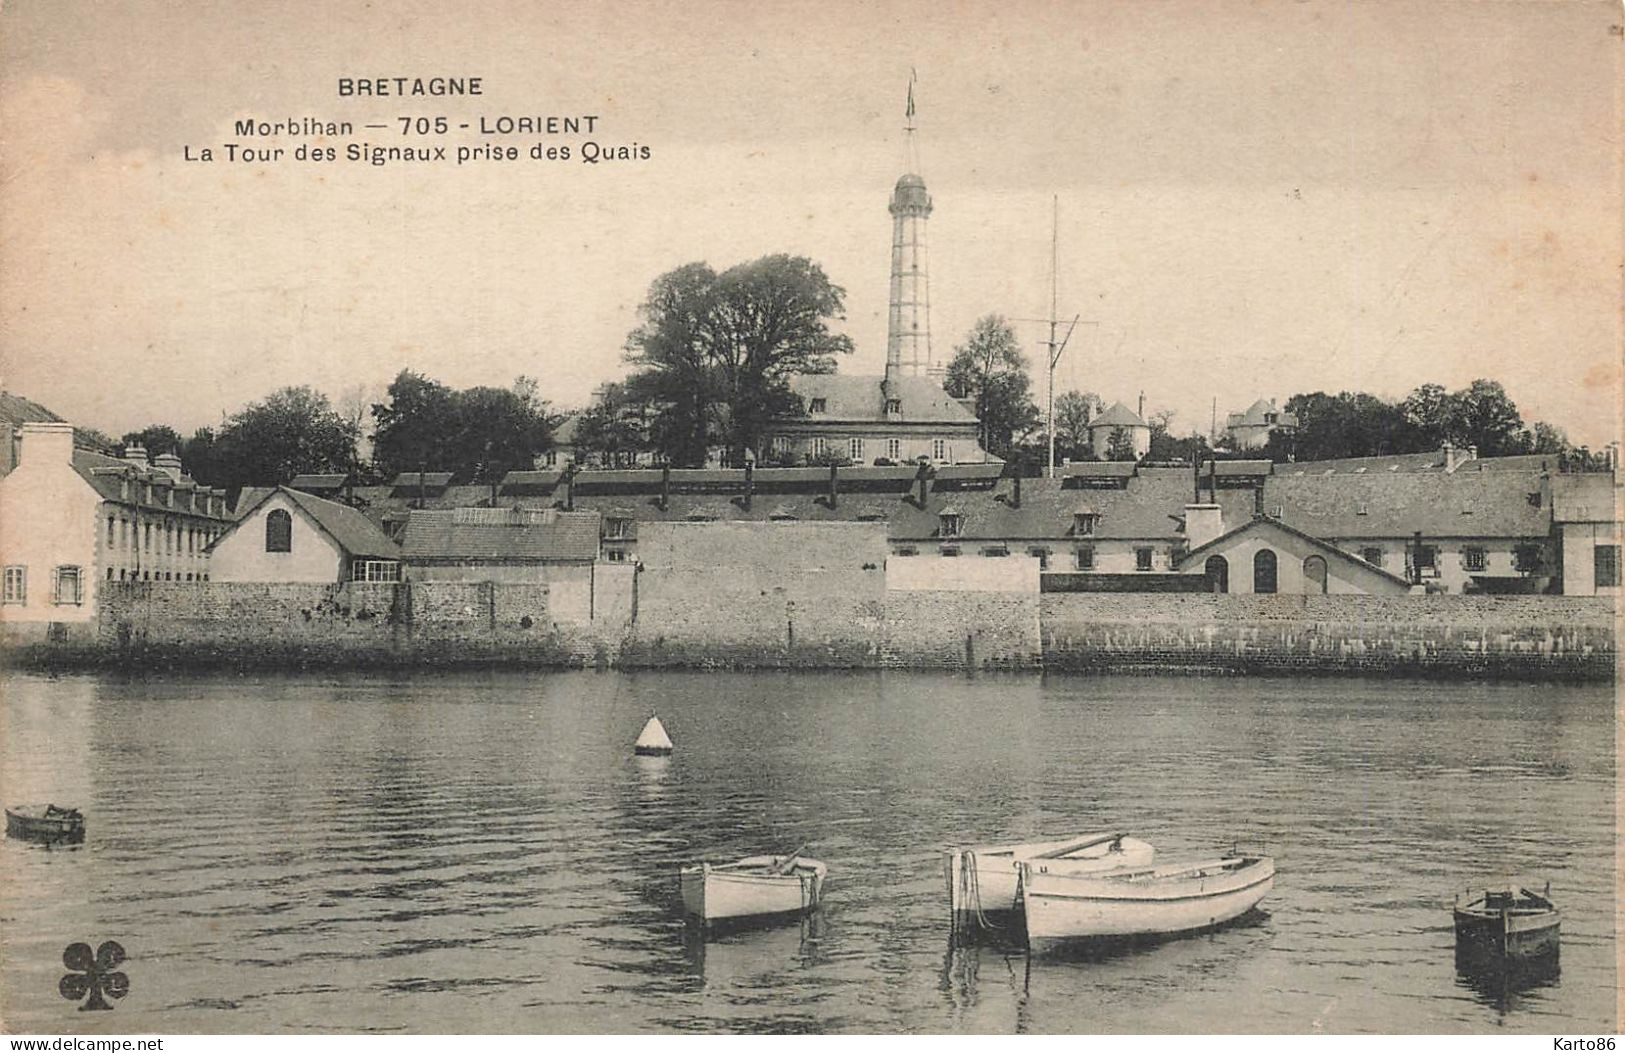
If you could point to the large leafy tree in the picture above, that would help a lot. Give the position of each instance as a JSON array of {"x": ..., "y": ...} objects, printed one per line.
[
  {"x": 478, "y": 433},
  {"x": 615, "y": 428},
  {"x": 990, "y": 369},
  {"x": 1482, "y": 415},
  {"x": 1073, "y": 412},
  {"x": 294, "y": 430},
  {"x": 715, "y": 352},
  {"x": 1348, "y": 424},
  {"x": 155, "y": 438}
]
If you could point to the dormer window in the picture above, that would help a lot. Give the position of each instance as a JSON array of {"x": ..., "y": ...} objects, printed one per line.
[
  {"x": 1271, "y": 418},
  {"x": 953, "y": 524},
  {"x": 617, "y": 528},
  {"x": 894, "y": 407},
  {"x": 817, "y": 405},
  {"x": 1083, "y": 524}
]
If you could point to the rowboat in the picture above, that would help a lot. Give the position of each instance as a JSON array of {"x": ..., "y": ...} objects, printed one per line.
[
  {"x": 754, "y": 888},
  {"x": 1063, "y": 904},
  {"x": 44, "y": 822},
  {"x": 1509, "y": 923},
  {"x": 982, "y": 879}
]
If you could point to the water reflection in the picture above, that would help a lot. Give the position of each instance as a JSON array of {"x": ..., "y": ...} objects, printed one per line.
[{"x": 1501, "y": 982}]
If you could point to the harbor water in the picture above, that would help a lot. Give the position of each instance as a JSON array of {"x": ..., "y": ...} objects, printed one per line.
[{"x": 483, "y": 852}]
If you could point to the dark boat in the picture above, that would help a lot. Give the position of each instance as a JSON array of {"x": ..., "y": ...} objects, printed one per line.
[
  {"x": 1510, "y": 923},
  {"x": 45, "y": 822}
]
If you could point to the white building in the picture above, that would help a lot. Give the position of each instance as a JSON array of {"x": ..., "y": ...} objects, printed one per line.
[{"x": 291, "y": 536}]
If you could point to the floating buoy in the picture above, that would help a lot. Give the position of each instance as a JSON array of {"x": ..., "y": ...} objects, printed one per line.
[{"x": 652, "y": 742}]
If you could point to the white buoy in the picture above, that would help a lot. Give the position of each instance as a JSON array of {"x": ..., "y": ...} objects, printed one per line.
[{"x": 652, "y": 742}]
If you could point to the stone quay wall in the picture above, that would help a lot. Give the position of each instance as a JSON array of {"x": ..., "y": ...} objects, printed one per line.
[{"x": 1540, "y": 637}]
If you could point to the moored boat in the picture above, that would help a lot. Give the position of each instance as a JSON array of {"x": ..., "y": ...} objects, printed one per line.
[
  {"x": 44, "y": 822},
  {"x": 1510, "y": 923},
  {"x": 1063, "y": 905},
  {"x": 754, "y": 888},
  {"x": 982, "y": 879}
]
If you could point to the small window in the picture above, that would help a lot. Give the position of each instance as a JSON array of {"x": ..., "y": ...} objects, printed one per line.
[
  {"x": 1528, "y": 558},
  {"x": 950, "y": 550},
  {"x": 375, "y": 570},
  {"x": 894, "y": 407},
  {"x": 552, "y": 458},
  {"x": 907, "y": 550},
  {"x": 1473, "y": 559},
  {"x": 1042, "y": 555},
  {"x": 854, "y": 449},
  {"x": 1142, "y": 558},
  {"x": 111, "y": 528},
  {"x": 820, "y": 446},
  {"x": 1372, "y": 555},
  {"x": 953, "y": 524},
  {"x": 996, "y": 550},
  {"x": 1606, "y": 564},
  {"x": 69, "y": 585},
  {"x": 278, "y": 531},
  {"x": 615, "y": 555},
  {"x": 817, "y": 405},
  {"x": 16, "y": 585},
  {"x": 894, "y": 449},
  {"x": 1083, "y": 524},
  {"x": 939, "y": 450},
  {"x": 1086, "y": 557},
  {"x": 1427, "y": 557},
  {"x": 617, "y": 528}
]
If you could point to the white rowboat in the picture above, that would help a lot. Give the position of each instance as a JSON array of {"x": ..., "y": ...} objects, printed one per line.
[
  {"x": 1064, "y": 905},
  {"x": 754, "y": 887},
  {"x": 982, "y": 879}
]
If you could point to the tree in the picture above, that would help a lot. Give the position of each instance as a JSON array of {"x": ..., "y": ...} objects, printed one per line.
[
  {"x": 1073, "y": 412},
  {"x": 1165, "y": 446},
  {"x": 715, "y": 352},
  {"x": 615, "y": 427},
  {"x": 201, "y": 459},
  {"x": 990, "y": 369},
  {"x": 1429, "y": 410},
  {"x": 1547, "y": 438},
  {"x": 1482, "y": 415},
  {"x": 1120, "y": 445},
  {"x": 295, "y": 430},
  {"x": 1348, "y": 424},
  {"x": 155, "y": 438},
  {"x": 478, "y": 434}
]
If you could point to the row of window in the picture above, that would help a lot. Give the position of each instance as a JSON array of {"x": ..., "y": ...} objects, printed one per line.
[
  {"x": 857, "y": 449},
  {"x": 148, "y": 493},
  {"x": 1083, "y": 557},
  {"x": 172, "y": 538},
  {"x": 67, "y": 585}
]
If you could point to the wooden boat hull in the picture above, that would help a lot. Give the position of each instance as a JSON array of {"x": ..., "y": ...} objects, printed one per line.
[
  {"x": 1508, "y": 935},
  {"x": 984, "y": 878},
  {"x": 40, "y": 825},
  {"x": 745, "y": 890},
  {"x": 1151, "y": 903}
]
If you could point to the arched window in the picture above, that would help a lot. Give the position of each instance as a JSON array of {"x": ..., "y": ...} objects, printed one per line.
[
  {"x": 278, "y": 531},
  {"x": 1218, "y": 574},
  {"x": 1314, "y": 575},
  {"x": 1264, "y": 571}
]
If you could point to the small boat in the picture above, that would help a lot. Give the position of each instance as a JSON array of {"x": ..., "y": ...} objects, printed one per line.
[
  {"x": 1139, "y": 903},
  {"x": 1509, "y": 923},
  {"x": 44, "y": 822},
  {"x": 652, "y": 740},
  {"x": 982, "y": 879},
  {"x": 754, "y": 888}
]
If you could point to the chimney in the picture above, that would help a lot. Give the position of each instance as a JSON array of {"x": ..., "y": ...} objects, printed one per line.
[
  {"x": 1203, "y": 523},
  {"x": 1258, "y": 501},
  {"x": 169, "y": 464},
  {"x": 1015, "y": 499},
  {"x": 44, "y": 441},
  {"x": 750, "y": 483},
  {"x": 1142, "y": 405},
  {"x": 570, "y": 488},
  {"x": 834, "y": 485},
  {"x": 136, "y": 454}
]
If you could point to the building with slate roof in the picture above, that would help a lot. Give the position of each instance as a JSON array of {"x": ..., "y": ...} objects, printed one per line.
[
  {"x": 15, "y": 411},
  {"x": 73, "y": 519},
  {"x": 288, "y": 535},
  {"x": 1252, "y": 427},
  {"x": 1587, "y": 512}
]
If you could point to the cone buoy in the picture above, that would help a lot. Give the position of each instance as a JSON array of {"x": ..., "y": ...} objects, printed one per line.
[{"x": 652, "y": 742}]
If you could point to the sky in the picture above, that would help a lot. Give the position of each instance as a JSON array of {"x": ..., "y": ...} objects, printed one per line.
[{"x": 1255, "y": 199}]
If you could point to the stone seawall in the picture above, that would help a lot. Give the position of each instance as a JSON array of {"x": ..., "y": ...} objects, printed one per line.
[
  {"x": 1521, "y": 636},
  {"x": 824, "y": 614}
]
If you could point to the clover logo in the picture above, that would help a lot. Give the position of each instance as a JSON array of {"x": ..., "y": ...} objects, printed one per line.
[{"x": 93, "y": 974}]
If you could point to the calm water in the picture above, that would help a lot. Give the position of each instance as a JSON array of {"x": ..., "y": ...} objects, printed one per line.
[{"x": 481, "y": 852}]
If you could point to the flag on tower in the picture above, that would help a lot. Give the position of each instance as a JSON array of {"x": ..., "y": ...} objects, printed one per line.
[{"x": 911, "y": 78}]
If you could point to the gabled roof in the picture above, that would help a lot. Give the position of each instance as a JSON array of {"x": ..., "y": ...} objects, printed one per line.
[
  {"x": 1398, "y": 504},
  {"x": 1256, "y": 416},
  {"x": 107, "y": 475},
  {"x": 1119, "y": 416},
  {"x": 564, "y": 433},
  {"x": 409, "y": 482},
  {"x": 500, "y": 535},
  {"x": 17, "y": 411},
  {"x": 1331, "y": 552},
  {"x": 314, "y": 482},
  {"x": 860, "y": 399},
  {"x": 349, "y": 529}
]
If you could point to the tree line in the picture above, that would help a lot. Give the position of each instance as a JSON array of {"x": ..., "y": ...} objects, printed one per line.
[{"x": 711, "y": 362}]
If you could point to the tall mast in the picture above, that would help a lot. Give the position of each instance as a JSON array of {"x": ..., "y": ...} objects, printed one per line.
[{"x": 1054, "y": 282}]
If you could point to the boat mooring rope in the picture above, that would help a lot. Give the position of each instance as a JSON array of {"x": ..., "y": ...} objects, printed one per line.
[{"x": 970, "y": 888}]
